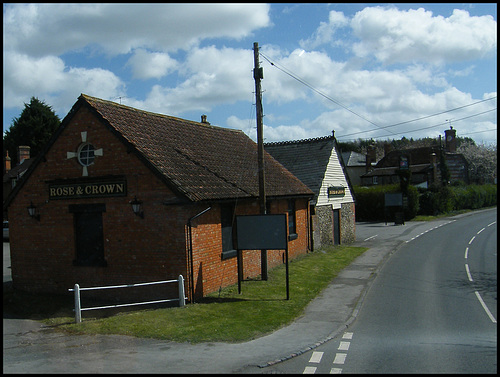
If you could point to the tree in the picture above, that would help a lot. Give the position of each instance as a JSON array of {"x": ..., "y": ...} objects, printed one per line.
[
  {"x": 34, "y": 128},
  {"x": 482, "y": 161}
]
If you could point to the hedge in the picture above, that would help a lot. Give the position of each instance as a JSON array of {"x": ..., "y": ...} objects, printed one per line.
[
  {"x": 370, "y": 202},
  {"x": 433, "y": 201}
]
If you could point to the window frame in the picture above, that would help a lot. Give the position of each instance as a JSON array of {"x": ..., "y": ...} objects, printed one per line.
[
  {"x": 292, "y": 220},
  {"x": 227, "y": 213},
  {"x": 89, "y": 154}
]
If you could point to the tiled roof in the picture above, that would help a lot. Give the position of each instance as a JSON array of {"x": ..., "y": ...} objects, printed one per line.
[
  {"x": 18, "y": 170},
  {"x": 353, "y": 159},
  {"x": 392, "y": 170},
  {"x": 200, "y": 161},
  {"x": 306, "y": 159},
  {"x": 417, "y": 156}
]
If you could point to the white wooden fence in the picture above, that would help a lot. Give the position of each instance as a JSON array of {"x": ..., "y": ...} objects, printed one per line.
[{"x": 79, "y": 309}]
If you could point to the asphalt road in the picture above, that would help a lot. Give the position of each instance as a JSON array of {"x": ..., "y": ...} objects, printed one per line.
[{"x": 431, "y": 309}]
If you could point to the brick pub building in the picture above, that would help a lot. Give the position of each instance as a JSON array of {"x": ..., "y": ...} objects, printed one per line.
[{"x": 107, "y": 158}]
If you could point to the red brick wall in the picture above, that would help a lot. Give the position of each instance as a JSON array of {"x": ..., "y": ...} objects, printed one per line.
[
  {"x": 211, "y": 273},
  {"x": 135, "y": 249}
]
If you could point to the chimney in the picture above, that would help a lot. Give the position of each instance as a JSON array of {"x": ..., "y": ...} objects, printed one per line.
[
  {"x": 450, "y": 142},
  {"x": 204, "y": 119},
  {"x": 23, "y": 152},
  {"x": 371, "y": 157},
  {"x": 7, "y": 166}
]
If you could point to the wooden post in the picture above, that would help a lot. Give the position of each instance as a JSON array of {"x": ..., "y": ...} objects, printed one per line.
[
  {"x": 258, "y": 74},
  {"x": 239, "y": 261},
  {"x": 287, "y": 278}
]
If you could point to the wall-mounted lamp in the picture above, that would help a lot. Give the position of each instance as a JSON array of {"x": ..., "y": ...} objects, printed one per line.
[
  {"x": 137, "y": 207},
  {"x": 32, "y": 212}
]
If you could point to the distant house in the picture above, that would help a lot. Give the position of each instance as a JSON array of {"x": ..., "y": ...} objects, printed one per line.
[
  {"x": 317, "y": 163},
  {"x": 424, "y": 164},
  {"x": 12, "y": 175},
  {"x": 123, "y": 196},
  {"x": 355, "y": 166}
]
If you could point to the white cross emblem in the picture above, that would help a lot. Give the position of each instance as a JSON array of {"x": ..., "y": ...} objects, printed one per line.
[{"x": 85, "y": 154}]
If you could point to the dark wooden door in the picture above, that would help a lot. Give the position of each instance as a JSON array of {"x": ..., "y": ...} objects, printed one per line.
[
  {"x": 89, "y": 239},
  {"x": 336, "y": 226}
]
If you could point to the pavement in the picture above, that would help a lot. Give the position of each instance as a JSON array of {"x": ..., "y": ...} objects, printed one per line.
[{"x": 29, "y": 347}]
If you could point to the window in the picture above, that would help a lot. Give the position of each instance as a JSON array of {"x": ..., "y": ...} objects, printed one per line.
[
  {"x": 86, "y": 154},
  {"x": 227, "y": 219},
  {"x": 89, "y": 238},
  {"x": 292, "y": 228}
]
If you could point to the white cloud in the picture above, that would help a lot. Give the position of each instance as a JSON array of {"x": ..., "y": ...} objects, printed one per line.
[
  {"x": 326, "y": 30},
  {"x": 23, "y": 74},
  {"x": 120, "y": 28},
  {"x": 147, "y": 65},
  {"x": 342, "y": 84},
  {"x": 421, "y": 74},
  {"x": 394, "y": 36},
  {"x": 271, "y": 134},
  {"x": 36, "y": 35},
  {"x": 212, "y": 77},
  {"x": 125, "y": 43},
  {"x": 50, "y": 80},
  {"x": 96, "y": 82},
  {"x": 315, "y": 68}
]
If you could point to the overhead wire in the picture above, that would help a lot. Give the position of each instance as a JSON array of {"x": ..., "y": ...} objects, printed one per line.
[
  {"x": 478, "y": 132},
  {"x": 443, "y": 123},
  {"x": 284, "y": 70},
  {"x": 302, "y": 81},
  {"x": 427, "y": 116}
]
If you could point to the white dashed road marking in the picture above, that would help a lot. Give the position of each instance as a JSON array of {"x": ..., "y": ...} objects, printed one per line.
[
  {"x": 340, "y": 358},
  {"x": 309, "y": 370},
  {"x": 485, "y": 307},
  {"x": 468, "y": 272},
  {"x": 344, "y": 346},
  {"x": 347, "y": 335},
  {"x": 316, "y": 357},
  {"x": 469, "y": 276}
]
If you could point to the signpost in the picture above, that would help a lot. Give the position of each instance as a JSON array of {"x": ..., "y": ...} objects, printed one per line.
[
  {"x": 393, "y": 204},
  {"x": 257, "y": 232}
]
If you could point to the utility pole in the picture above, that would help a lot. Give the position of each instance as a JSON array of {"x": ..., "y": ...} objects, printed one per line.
[{"x": 258, "y": 74}]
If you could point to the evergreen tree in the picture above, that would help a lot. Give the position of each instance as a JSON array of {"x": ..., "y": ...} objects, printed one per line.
[{"x": 34, "y": 128}]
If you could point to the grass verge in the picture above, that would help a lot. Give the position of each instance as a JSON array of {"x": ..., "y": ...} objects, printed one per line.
[
  {"x": 224, "y": 316},
  {"x": 441, "y": 215}
]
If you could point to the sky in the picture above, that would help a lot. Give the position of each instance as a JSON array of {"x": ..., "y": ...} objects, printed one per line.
[{"x": 364, "y": 70}]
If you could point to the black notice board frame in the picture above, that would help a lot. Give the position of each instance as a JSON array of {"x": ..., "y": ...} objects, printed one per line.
[{"x": 257, "y": 232}]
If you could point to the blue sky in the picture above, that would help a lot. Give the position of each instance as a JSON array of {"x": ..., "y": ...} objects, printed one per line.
[{"x": 379, "y": 71}]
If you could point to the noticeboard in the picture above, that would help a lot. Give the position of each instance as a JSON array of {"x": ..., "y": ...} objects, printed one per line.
[
  {"x": 257, "y": 232},
  {"x": 393, "y": 200}
]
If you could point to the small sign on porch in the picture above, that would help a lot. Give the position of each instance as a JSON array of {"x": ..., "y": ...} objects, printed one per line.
[{"x": 336, "y": 191}]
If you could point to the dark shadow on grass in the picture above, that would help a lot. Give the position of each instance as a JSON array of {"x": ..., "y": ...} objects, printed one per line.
[
  {"x": 36, "y": 306},
  {"x": 39, "y": 306},
  {"x": 222, "y": 300}
]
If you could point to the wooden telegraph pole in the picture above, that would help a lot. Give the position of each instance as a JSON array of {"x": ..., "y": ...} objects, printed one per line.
[{"x": 258, "y": 74}]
